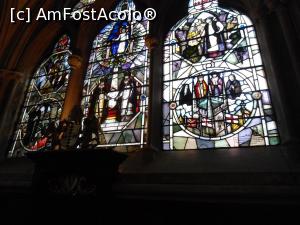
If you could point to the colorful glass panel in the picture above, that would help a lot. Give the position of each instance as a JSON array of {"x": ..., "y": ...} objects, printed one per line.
[
  {"x": 215, "y": 90},
  {"x": 43, "y": 103},
  {"x": 116, "y": 84}
]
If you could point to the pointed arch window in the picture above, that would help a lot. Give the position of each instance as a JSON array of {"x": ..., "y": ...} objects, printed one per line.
[
  {"x": 45, "y": 95},
  {"x": 116, "y": 84},
  {"x": 215, "y": 89}
]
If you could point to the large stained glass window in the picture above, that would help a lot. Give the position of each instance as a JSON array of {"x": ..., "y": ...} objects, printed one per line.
[
  {"x": 43, "y": 103},
  {"x": 215, "y": 90},
  {"x": 116, "y": 84}
]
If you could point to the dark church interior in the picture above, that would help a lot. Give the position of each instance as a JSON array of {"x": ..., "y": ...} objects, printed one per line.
[{"x": 190, "y": 117}]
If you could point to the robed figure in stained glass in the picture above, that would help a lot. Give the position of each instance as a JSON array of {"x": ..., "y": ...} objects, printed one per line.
[
  {"x": 119, "y": 38},
  {"x": 216, "y": 85},
  {"x": 113, "y": 113},
  {"x": 213, "y": 42},
  {"x": 100, "y": 93},
  {"x": 45, "y": 136},
  {"x": 63, "y": 44},
  {"x": 193, "y": 51},
  {"x": 201, "y": 88},
  {"x": 201, "y": 92},
  {"x": 128, "y": 96},
  {"x": 233, "y": 88},
  {"x": 90, "y": 132},
  {"x": 186, "y": 96},
  {"x": 39, "y": 130},
  {"x": 32, "y": 126}
]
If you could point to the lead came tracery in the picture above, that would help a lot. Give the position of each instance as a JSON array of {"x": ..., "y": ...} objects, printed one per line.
[
  {"x": 215, "y": 90},
  {"x": 116, "y": 85},
  {"x": 44, "y": 100}
]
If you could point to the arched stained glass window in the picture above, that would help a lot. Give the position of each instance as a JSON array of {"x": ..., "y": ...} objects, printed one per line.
[
  {"x": 215, "y": 90},
  {"x": 83, "y": 5},
  {"x": 116, "y": 84},
  {"x": 44, "y": 100}
]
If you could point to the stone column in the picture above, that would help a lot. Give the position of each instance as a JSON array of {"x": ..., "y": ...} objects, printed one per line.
[
  {"x": 10, "y": 83},
  {"x": 278, "y": 75},
  {"x": 280, "y": 8},
  {"x": 74, "y": 90},
  {"x": 7, "y": 78},
  {"x": 155, "y": 103}
]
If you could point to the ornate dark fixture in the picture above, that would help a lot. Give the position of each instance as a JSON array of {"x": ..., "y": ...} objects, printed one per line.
[{"x": 83, "y": 172}]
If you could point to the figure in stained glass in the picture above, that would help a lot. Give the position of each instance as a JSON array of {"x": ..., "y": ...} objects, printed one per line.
[
  {"x": 63, "y": 44},
  {"x": 113, "y": 114},
  {"x": 32, "y": 126},
  {"x": 193, "y": 49},
  {"x": 90, "y": 134},
  {"x": 129, "y": 97},
  {"x": 213, "y": 40},
  {"x": 186, "y": 96},
  {"x": 43, "y": 103},
  {"x": 201, "y": 88},
  {"x": 233, "y": 87},
  {"x": 119, "y": 38},
  {"x": 214, "y": 53},
  {"x": 216, "y": 85},
  {"x": 118, "y": 75},
  {"x": 101, "y": 104}
]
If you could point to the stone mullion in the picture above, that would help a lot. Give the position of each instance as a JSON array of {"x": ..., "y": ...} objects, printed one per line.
[
  {"x": 74, "y": 90},
  {"x": 274, "y": 67},
  {"x": 280, "y": 8}
]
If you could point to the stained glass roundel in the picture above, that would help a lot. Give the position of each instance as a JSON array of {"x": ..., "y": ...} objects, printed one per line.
[
  {"x": 215, "y": 90},
  {"x": 42, "y": 108}
]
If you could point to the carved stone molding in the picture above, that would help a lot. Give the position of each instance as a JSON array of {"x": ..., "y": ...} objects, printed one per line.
[
  {"x": 273, "y": 5},
  {"x": 258, "y": 12},
  {"x": 11, "y": 75}
]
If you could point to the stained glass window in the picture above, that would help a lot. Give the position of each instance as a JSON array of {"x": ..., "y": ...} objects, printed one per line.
[
  {"x": 83, "y": 5},
  {"x": 44, "y": 100},
  {"x": 215, "y": 89},
  {"x": 116, "y": 85}
]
